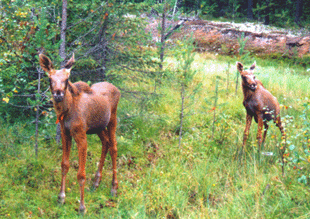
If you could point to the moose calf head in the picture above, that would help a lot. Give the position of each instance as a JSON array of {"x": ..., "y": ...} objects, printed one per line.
[
  {"x": 58, "y": 78},
  {"x": 248, "y": 78}
]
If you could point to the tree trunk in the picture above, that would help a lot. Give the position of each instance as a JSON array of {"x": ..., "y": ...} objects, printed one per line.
[
  {"x": 62, "y": 49},
  {"x": 162, "y": 40},
  {"x": 250, "y": 9},
  {"x": 62, "y": 52},
  {"x": 103, "y": 44},
  {"x": 299, "y": 5},
  {"x": 175, "y": 7},
  {"x": 267, "y": 20}
]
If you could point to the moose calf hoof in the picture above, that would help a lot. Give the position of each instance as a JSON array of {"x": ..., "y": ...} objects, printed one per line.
[
  {"x": 61, "y": 198},
  {"x": 82, "y": 209},
  {"x": 114, "y": 192},
  {"x": 96, "y": 182}
]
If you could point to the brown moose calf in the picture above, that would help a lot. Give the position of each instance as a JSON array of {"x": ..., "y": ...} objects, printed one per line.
[
  {"x": 259, "y": 103},
  {"x": 82, "y": 110}
]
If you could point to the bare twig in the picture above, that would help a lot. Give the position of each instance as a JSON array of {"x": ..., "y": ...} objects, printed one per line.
[
  {"x": 37, "y": 114},
  {"x": 266, "y": 188},
  {"x": 90, "y": 31},
  {"x": 146, "y": 72},
  {"x": 173, "y": 29},
  {"x": 182, "y": 113},
  {"x": 215, "y": 105},
  {"x": 82, "y": 20}
]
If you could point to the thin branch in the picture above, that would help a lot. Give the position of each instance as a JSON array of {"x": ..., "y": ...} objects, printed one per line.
[
  {"x": 20, "y": 106},
  {"x": 23, "y": 95},
  {"x": 173, "y": 29},
  {"x": 90, "y": 31},
  {"x": 136, "y": 92},
  {"x": 84, "y": 18},
  {"x": 81, "y": 72},
  {"x": 147, "y": 72}
]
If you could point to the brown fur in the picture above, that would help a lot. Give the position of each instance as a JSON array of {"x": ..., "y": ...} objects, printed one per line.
[
  {"x": 83, "y": 110},
  {"x": 83, "y": 87},
  {"x": 259, "y": 103}
]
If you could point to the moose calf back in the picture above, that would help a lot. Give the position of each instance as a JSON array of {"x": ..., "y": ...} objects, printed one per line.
[{"x": 262, "y": 102}]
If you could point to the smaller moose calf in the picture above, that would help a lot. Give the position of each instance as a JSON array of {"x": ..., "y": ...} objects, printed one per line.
[{"x": 259, "y": 103}]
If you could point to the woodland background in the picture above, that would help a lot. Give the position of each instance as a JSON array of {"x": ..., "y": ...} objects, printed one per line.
[{"x": 180, "y": 118}]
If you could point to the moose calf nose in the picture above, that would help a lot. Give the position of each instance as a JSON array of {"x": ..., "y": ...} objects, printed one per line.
[
  {"x": 253, "y": 86},
  {"x": 58, "y": 96}
]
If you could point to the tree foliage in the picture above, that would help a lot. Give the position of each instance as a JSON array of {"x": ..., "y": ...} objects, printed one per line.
[{"x": 105, "y": 36}]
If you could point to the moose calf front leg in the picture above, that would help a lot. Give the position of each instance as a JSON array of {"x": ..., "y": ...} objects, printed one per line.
[
  {"x": 247, "y": 129},
  {"x": 66, "y": 147},
  {"x": 81, "y": 141}
]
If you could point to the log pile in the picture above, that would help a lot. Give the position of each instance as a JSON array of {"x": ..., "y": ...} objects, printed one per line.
[{"x": 222, "y": 37}]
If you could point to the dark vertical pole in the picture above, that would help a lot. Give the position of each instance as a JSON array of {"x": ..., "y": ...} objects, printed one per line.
[
  {"x": 250, "y": 10},
  {"x": 299, "y": 4},
  {"x": 37, "y": 115},
  {"x": 215, "y": 105},
  {"x": 267, "y": 19},
  {"x": 62, "y": 49},
  {"x": 228, "y": 67},
  {"x": 237, "y": 82},
  {"x": 162, "y": 40},
  {"x": 182, "y": 113}
]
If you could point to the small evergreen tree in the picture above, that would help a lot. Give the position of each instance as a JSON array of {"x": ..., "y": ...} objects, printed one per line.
[{"x": 185, "y": 78}]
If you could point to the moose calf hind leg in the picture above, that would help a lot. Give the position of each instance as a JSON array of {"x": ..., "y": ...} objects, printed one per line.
[
  {"x": 265, "y": 132},
  {"x": 113, "y": 153},
  {"x": 105, "y": 141},
  {"x": 280, "y": 126}
]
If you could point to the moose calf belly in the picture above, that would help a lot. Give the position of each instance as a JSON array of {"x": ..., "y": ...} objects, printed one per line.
[
  {"x": 98, "y": 122},
  {"x": 269, "y": 115}
]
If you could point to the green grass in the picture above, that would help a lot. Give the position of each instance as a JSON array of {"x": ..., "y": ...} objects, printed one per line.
[{"x": 202, "y": 179}]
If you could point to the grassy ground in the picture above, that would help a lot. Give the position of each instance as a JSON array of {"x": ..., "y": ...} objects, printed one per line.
[{"x": 204, "y": 178}]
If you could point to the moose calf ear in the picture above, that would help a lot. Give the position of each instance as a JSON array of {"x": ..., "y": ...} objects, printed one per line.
[
  {"x": 45, "y": 63},
  {"x": 253, "y": 66},
  {"x": 69, "y": 64},
  {"x": 239, "y": 67}
]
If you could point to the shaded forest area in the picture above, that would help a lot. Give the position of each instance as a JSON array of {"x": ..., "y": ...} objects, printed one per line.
[{"x": 275, "y": 12}]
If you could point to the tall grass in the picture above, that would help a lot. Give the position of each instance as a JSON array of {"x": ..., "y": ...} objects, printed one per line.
[{"x": 157, "y": 179}]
